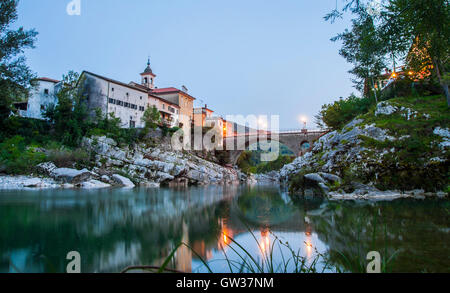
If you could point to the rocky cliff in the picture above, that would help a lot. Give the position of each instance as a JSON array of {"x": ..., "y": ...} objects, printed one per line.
[
  {"x": 398, "y": 149},
  {"x": 154, "y": 165}
]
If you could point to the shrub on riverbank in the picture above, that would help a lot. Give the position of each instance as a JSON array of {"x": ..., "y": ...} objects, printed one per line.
[{"x": 18, "y": 158}]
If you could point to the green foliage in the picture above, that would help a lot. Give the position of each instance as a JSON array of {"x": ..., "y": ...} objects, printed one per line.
[
  {"x": 363, "y": 47},
  {"x": 416, "y": 31},
  {"x": 17, "y": 158},
  {"x": 69, "y": 158},
  {"x": 109, "y": 125},
  {"x": 151, "y": 118},
  {"x": 336, "y": 115},
  {"x": 274, "y": 165},
  {"x": 15, "y": 76},
  {"x": 244, "y": 163},
  {"x": 250, "y": 161},
  {"x": 32, "y": 130},
  {"x": 70, "y": 115},
  {"x": 168, "y": 131},
  {"x": 408, "y": 166}
]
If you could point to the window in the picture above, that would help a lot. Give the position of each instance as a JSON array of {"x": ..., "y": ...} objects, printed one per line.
[
  {"x": 164, "y": 106},
  {"x": 127, "y": 105},
  {"x": 46, "y": 91},
  {"x": 132, "y": 124},
  {"x": 141, "y": 108},
  {"x": 141, "y": 97},
  {"x": 119, "y": 103},
  {"x": 112, "y": 101},
  {"x": 128, "y": 94},
  {"x": 112, "y": 89},
  {"x": 42, "y": 107},
  {"x": 145, "y": 80}
]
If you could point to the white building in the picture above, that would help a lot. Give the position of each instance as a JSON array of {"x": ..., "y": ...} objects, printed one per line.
[
  {"x": 126, "y": 101},
  {"x": 41, "y": 96}
]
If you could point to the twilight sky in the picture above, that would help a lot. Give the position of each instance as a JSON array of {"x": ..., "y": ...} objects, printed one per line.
[{"x": 239, "y": 57}]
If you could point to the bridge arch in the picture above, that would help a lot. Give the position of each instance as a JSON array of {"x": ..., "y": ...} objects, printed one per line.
[{"x": 295, "y": 141}]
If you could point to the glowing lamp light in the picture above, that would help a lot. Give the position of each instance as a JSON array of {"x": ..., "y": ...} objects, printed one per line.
[
  {"x": 394, "y": 75},
  {"x": 304, "y": 120}
]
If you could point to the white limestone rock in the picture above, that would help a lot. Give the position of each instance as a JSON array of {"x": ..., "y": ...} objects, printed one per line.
[
  {"x": 384, "y": 108},
  {"x": 73, "y": 176},
  {"x": 123, "y": 181},
  {"x": 315, "y": 177},
  {"x": 444, "y": 133},
  {"x": 93, "y": 184},
  {"x": 45, "y": 168},
  {"x": 26, "y": 182},
  {"x": 330, "y": 177}
]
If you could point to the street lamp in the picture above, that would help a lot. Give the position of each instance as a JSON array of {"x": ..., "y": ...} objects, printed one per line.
[{"x": 304, "y": 120}]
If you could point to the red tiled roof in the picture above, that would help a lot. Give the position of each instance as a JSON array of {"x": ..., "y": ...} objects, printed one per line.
[
  {"x": 169, "y": 90},
  {"x": 165, "y": 90}
]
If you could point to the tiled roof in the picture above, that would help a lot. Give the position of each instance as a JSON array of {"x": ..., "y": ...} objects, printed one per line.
[
  {"x": 165, "y": 90},
  {"x": 116, "y": 82},
  {"x": 48, "y": 79},
  {"x": 169, "y": 90}
]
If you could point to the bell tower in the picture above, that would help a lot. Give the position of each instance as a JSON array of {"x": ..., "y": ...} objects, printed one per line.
[{"x": 148, "y": 78}]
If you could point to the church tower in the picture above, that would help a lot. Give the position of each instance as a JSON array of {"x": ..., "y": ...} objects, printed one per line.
[{"x": 148, "y": 78}]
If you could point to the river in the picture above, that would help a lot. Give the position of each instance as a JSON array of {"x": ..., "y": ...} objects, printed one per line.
[{"x": 116, "y": 228}]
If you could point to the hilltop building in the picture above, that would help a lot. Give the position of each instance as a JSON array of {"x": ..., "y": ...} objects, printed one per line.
[
  {"x": 127, "y": 101},
  {"x": 180, "y": 98}
]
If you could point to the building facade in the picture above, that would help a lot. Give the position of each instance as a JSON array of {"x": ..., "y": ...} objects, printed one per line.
[
  {"x": 201, "y": 114},
  {"x": 180, "y": 98},
  {"x": 125, "y": 101},
  {"x": 41, "y": 97}
]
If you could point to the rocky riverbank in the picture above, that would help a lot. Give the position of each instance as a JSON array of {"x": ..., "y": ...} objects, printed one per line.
[
  {"x": 138, "y": 165},
  {"x": 396, "y": 150}
]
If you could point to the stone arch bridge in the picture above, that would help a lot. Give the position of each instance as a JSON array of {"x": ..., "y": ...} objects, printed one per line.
[{"x": 299, "y": 142}]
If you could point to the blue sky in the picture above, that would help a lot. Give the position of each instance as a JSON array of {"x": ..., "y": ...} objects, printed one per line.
[{"x": 240, "y": 57}]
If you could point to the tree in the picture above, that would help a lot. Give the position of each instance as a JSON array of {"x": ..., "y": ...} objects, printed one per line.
[
  {"x": 425, "y": 26},
  {"x": 363, "y": 47},
  {"x": 15, "y": 76},
  {"x": 151, "y": 118},
  {"x": 403, "y": 25},
  {"x": 69, "y": 116}
]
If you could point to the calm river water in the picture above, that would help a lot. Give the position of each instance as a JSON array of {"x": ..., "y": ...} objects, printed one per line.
[{"x": 116, "y": 228}]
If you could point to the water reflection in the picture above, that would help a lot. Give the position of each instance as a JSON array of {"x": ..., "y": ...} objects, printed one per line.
[{"x": 113, "y": 229}]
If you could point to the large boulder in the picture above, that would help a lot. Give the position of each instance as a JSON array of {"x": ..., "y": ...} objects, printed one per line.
[
  {"x": 45, "y": 168},
  {"x": 72, "y": 176},
  {"x": 123, "y": 181}
]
